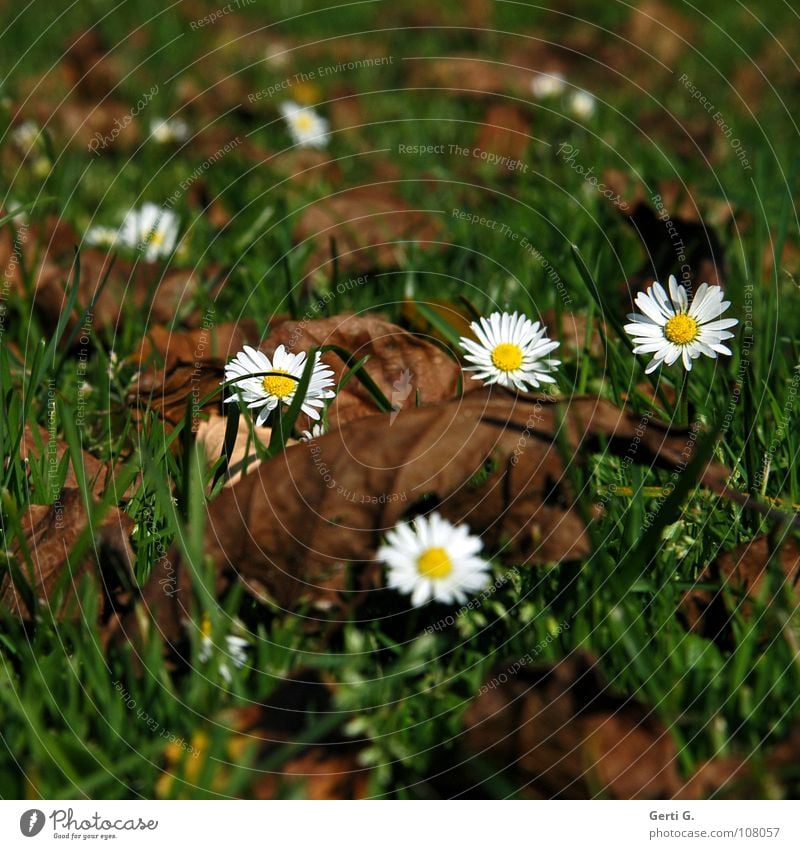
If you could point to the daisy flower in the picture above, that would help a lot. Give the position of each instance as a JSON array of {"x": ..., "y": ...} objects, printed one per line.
[
  {"x": 15, "y": 210},
  {"x": 548, "y": 85},
  {"x": 511, "y": 350},
  {"x": 151, "y": 230},
  {"x": 169, "y": 130},
  {"x": 25, "y": 136},
  {"x": 316, "y": 431},
  {"x": 235, "y": 650},
  {"x": 101, "y": 237},
  {"x": 582, "y": 104},
  {"x": 245, "y": 373},
  {"x": 670, "y": 329},
  {"x": 277, "y": 54},
  {"x": 434, "y": 559},
  {"x": 306, "y": 127}
]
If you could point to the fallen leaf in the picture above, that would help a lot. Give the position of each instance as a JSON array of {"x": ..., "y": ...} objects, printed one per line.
[
  {"x": 404, "y": 366},
  {"x": 37, "y": 443},
  {"x": 51, "y": 533},
  {"x": 146, "y": 286},
  {"x": 194, "y": 367},
  {"x": 176, "y": 367},
  {"x": 672, "y": 245},
  {"x": 661, "y": 30},
  {"x": 453, "y": 314},
  {"x": 740, "y": 576},
  {"x": 289, "y": 530},
  {"x": 373, "y": 228},
  {"x": 467, "y": 75},
  {"x": 211, "y": 437},
  {"x": 563, "y": 734},
  {"x": 48, "y": 248},
  {"x": 571, "y": 330},
  {"x": 505, "y": 133}
]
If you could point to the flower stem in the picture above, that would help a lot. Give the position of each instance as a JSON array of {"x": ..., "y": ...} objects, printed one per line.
[{"x": 682, "y": 402}]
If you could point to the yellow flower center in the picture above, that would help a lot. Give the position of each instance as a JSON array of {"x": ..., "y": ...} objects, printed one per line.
[
  {"x": 205, "y": 626},
  {"x": 507, "y": 357},
  {"x": 435, "y": 563},
  {"x": 278, "y": 385},
  {"x": 681, "y": 329},
  {"x": 304, "y": 123}
]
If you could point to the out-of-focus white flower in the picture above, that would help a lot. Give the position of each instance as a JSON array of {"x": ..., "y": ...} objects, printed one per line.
[
  {"x": 434, "y": 559},
  {"x": 151, "y": 230},
  {"x": 582, "y": 104},
  {"x": 235, "y": 650},
  {"x": 41, "y": 167},
  {"x": 277, "y": 54},
  {"x": 101, "y": 237},
  {"x": 547, "y": 85},
  {"x": 306, "y": 127},
  {"x": 169, "y": 130},
  {"x": 25, "y": 135},
  {"x": 14, "y": 209},
  {"x": 245, "y": 374}
]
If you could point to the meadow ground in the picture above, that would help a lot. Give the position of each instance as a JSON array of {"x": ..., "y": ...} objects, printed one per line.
[{"x": 196, "y": 606}]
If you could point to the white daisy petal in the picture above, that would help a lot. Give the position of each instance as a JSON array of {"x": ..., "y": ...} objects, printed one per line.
[
  {"x": 306, "y": 127},
  {"x": 672, "y": 329},
  {"x": 268, "y": 391},
  {"x": 433, "y": 560},
  {"x": 510, "y": 351}
]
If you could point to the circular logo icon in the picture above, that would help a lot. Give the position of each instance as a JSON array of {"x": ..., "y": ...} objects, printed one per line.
[{"x": 31, "y": 822}]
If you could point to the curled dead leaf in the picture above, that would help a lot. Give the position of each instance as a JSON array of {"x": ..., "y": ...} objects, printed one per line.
[
  {"x": 562, "y": 733},
  {"x": 490, "y": 460},
  {"x": 566, "y": 735},
  {"x": 39, "y": 442},
  {"x": 740, "y": 575},
  {"x": 505, "y": 133},
  {"x": 373, "y": 228},
  {"x": 194, "y": 363},
  {"x": 51, "y": 533}
]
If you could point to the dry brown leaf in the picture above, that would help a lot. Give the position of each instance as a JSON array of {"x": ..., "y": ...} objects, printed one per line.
[
  {"x": 289, "y": 530},
  {"x": 673, "y": 245},
  {"x": 305, "y": 167},
  {"x": 321, "y": 774},
  {"x": 570, "y": 329},
  {"x": 373, "y": 228},
  {"x": 48, "y": 248},
  {"x": 400, "y": 363},
  {"x": 565, "y": 735},
  {"x": 505, "y": 133},
  {"x": 90, "y": 68},
  {"x": 40, "y": 442},
  {"x": 211, "y": 437},
  {"x": 468, "y": 75},
  {"x": 660, "y": 30},
  {"x": 474, "y": 14},
  {"x": 741, "y": 572},
  {"x": 562, "y": 733},
  {"x": 176, "y": 367},
  {"x": 454, "y": 314},
  {"x": 403, "y": 365},
  {"x": 159, "y": 293},
  {"x": 51, "y": 533}
]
